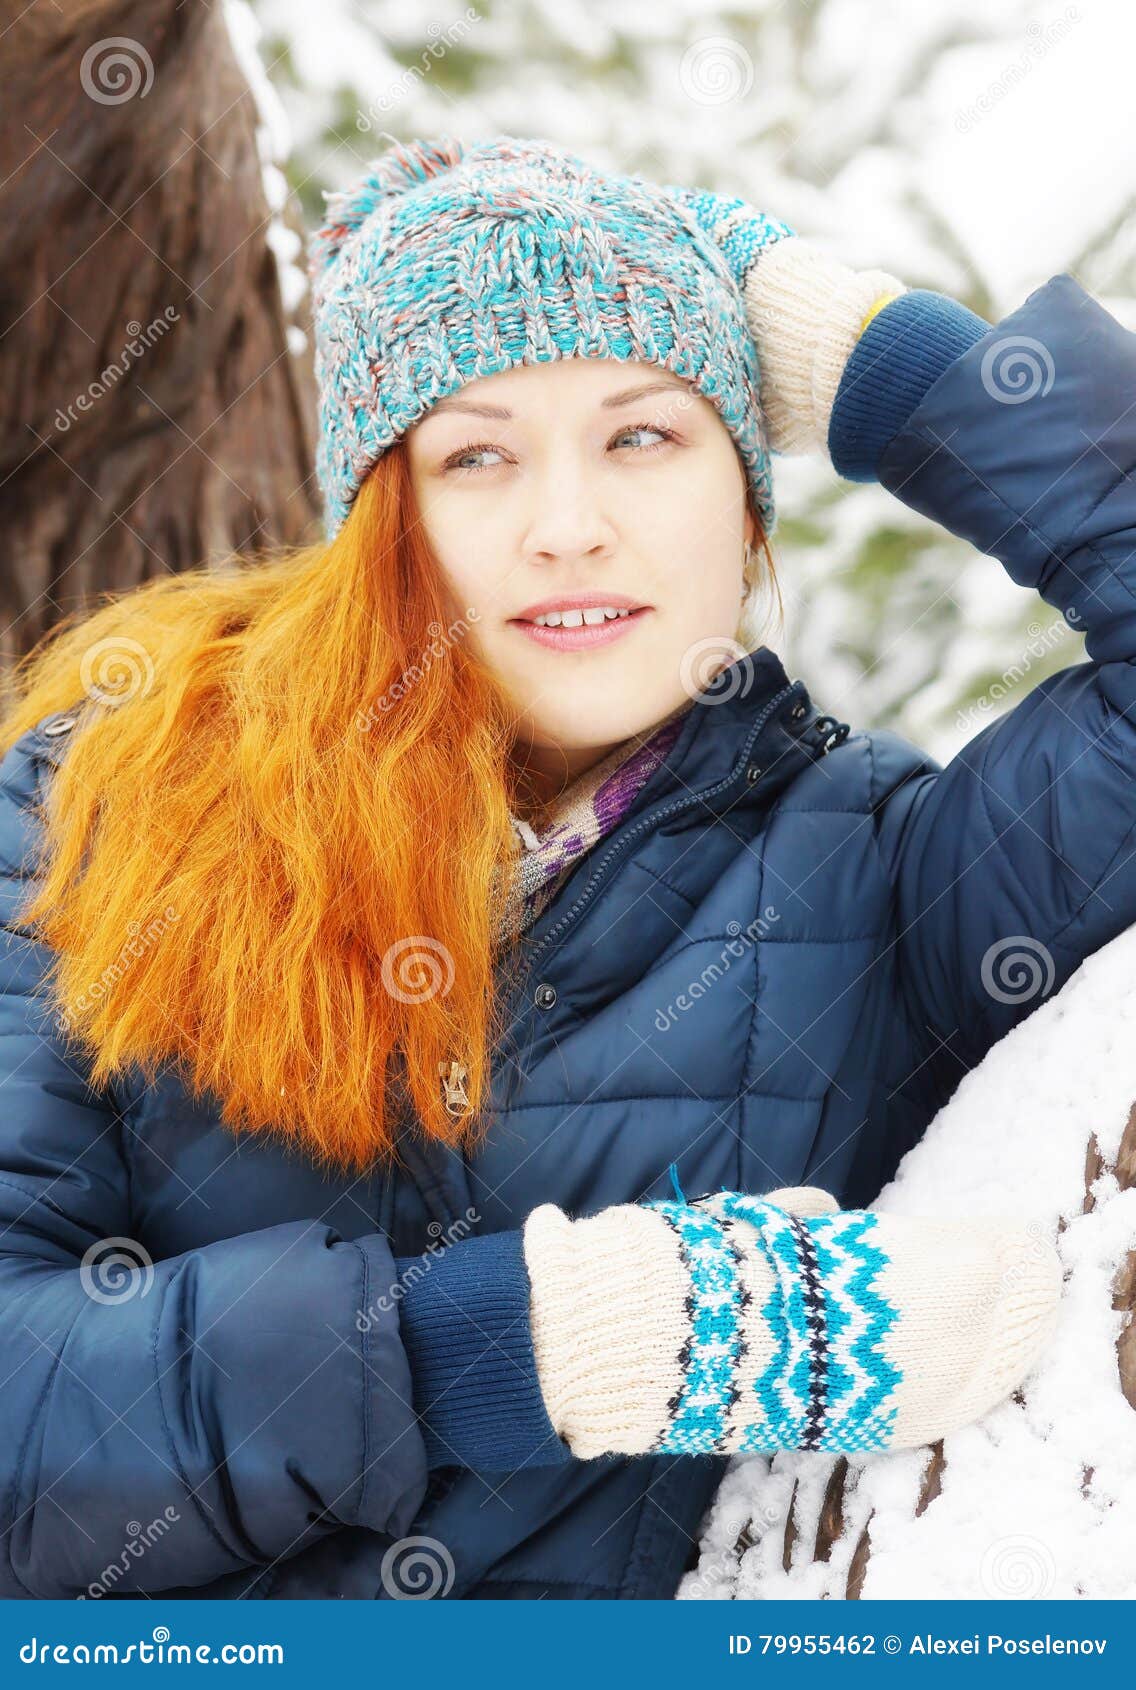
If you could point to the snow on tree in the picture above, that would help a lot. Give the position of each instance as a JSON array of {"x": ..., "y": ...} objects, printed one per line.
[
  {"x": 1038, "y": 1499},
  {"x": 975, "y": 158},
  {"x": 979, "y": 157}
]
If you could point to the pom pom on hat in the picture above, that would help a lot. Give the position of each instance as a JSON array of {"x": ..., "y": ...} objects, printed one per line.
[{"x": 405, "y": 165}]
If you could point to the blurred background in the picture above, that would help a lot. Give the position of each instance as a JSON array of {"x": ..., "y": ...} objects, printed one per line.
[{"x": 978, "y": 147}]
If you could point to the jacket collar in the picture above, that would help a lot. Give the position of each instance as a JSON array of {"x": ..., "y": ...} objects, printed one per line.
[
  {"x": 715, "y": 744},
  {"x": 716, "y": 756}
]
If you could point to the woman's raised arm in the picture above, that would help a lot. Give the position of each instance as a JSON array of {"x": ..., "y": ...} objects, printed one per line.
[
  {"x": 1018, "y": 859},
  {"x": 1020, "y": 853}
]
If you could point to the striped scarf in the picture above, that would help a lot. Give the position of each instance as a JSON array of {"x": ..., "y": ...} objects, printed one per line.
[{"x": 586, "y": 810}]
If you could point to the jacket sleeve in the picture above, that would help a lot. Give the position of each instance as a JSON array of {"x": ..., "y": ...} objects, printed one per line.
[
  {"x": 1017, "y": 859},
  {"x": 229, "y": 1401},
  {"x": 467, "y": 1326}
]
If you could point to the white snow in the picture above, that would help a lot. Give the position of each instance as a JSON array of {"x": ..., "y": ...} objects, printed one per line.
[
  {"x": 1016, "y": 1516},
  {"x": 274, "y": 144}
]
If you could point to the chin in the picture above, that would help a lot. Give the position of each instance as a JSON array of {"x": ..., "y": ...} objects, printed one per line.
[{"x": 606, "y": 722}]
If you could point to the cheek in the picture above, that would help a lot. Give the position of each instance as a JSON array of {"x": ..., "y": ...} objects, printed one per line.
[
  {"x": 694, "y": 536},
  {"x": 699, "y": 503},
  {"x": 469, "y": 553}
]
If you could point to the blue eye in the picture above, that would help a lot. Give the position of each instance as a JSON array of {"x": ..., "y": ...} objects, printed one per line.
[
  {"x": 664, "y": 434},
  {"x": 473, "y": 448},
  {"x": 468, "y": 451}
]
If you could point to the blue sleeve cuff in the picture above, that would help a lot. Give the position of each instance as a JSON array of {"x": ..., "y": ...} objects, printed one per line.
[
  {"x": 464, "y": 1321},
  {"x": 900, "y": 355}
]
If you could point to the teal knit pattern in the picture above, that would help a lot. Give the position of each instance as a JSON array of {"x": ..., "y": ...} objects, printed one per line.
[
  {"x": 443, "y": 264},
  {"x": 827, "y": 1384},
  {"x": 735, "y": 226},
  {"x": 711, "y": 1351}
]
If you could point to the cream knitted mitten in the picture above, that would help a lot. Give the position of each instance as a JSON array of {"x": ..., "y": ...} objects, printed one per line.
[
  {"x": 740, "y": 1323},
  {"x": 805, "y": 312}
]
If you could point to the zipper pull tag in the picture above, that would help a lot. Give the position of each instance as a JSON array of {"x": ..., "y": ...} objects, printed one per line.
[{"x": 453, "y": 1084}]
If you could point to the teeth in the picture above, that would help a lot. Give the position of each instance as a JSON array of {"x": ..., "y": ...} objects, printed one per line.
[{"x": 579, "y": 618}]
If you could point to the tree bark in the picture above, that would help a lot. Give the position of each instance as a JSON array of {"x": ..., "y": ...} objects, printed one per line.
[{"x": 155, "y": 415}]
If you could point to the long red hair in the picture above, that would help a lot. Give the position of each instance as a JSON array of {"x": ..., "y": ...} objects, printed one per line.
[{"x": 271, "y": 856}]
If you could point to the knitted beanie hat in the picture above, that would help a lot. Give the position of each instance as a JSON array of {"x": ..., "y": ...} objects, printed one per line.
[{"x": 443, "y": 264}]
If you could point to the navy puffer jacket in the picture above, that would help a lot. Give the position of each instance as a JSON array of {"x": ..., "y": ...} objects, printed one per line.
[{"x": 774, "y": 971}]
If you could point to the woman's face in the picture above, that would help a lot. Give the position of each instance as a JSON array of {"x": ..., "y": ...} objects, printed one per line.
[{"x": 586, "y": 476}]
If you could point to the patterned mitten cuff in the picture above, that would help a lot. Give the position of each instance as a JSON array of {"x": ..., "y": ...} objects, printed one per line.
[
  {"x": 805, "y": 312},
  {"x": 734, "y": 1324},
  {"x": 737, "y": 228},
  {"x": 610, "y": 1310}
]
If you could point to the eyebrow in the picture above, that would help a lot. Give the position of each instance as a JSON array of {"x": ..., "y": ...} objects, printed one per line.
[{"x": 624, "y": 397}]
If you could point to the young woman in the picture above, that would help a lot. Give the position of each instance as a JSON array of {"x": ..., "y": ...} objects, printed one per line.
[{"x": 424, "y": 1002}]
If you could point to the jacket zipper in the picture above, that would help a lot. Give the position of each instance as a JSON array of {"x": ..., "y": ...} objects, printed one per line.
[{"x": 665, "y": 808}]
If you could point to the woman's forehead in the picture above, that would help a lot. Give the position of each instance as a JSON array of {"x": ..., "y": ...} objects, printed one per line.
[{"x": 606, "y": 381}]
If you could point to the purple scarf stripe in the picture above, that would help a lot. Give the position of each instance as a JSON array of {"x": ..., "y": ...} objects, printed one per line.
[{"x": 587, "y": 810}]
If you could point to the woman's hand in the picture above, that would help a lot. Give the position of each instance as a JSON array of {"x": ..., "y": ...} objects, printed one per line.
[
  {"x": 805, "y": 311},
  {"x": 740, "y": 1323}
]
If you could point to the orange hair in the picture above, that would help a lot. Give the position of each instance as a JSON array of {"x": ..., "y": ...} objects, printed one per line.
[{"x": 272, "y": 860}]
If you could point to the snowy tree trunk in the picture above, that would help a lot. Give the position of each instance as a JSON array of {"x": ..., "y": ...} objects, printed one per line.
[
  {"x": 157, "y": 396},
  {"x": 1039, "y": 1498}
]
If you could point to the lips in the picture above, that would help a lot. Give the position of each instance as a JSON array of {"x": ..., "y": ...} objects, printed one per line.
[
  {"x": 585, "y": 637},
  {"x": 579, "y": 601}
]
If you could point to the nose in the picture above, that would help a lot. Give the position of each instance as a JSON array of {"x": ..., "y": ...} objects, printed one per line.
[{"x": 567, "y": 518}]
